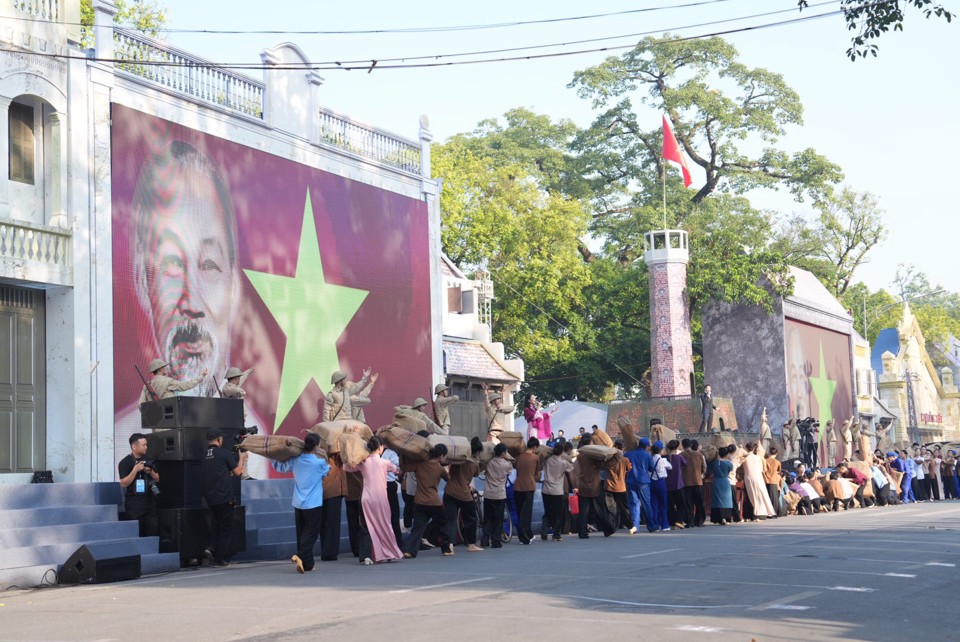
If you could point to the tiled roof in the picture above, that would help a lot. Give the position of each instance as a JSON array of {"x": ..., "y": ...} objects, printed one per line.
[
  {"x": 807, "y": 290},
  {"x": 471, "y": 359}
]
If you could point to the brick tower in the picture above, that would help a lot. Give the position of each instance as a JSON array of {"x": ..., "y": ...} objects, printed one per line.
[{"x": 671, "y": 349}]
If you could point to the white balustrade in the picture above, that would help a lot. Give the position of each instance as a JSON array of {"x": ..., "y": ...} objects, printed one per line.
[
  {"x": 44, "y": 9},
  {"x": 153, "y": 61},
  {"x": 28, "y": 243},
  {"x": 382, "y": 146}
]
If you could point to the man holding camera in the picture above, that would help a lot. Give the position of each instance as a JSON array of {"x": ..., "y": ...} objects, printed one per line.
[
  {"x": 218, "y": 465},
  {"x": 139, "y": 478}
]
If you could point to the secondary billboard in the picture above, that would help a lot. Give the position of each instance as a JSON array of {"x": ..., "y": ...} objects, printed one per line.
[
  {"x": 224, "y": 255},
  {"x": 819, "y": 381}
]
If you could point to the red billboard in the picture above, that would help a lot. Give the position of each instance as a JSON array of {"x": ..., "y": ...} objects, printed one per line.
[
  {"x": 224, "y": 255},
  {"x": 819, "y": 382}
]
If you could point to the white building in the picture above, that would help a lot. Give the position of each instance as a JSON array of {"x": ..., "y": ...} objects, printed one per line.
[{"x": 62, "y": 370}]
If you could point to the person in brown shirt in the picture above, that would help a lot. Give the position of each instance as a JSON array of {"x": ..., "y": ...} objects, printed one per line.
[
  {"x": 528, "y": 474},
  {"x": 615, "y": 490},
  {"x": 833, "y": 493},
  {"x": 354, "y": 484},
  {"x": 771, "y": 475},
  {"x": 427, "y": 507},
  {"x": 458, "y": 499},
  {"x": 333, "y": 490},
  {"x": 588, "y": 490},
  {"x": 693, "y": 482}
]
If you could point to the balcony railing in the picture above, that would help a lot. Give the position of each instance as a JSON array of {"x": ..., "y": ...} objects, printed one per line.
[
  {"x": 43, "y": 9},
  {"x": 24, "y": 242},
  {"x": 382, "y": 146},
  {"x": 155, "y": 62}
]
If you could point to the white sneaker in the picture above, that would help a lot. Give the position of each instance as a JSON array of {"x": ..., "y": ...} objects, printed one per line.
[
  {"x": 633, "y": 530},
  {"x": 665, "y": 529}
]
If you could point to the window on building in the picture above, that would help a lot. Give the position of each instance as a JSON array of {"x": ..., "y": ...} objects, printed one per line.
[
  {"x": 454, "y": 299},
  {"x": 22, "y": 143}
]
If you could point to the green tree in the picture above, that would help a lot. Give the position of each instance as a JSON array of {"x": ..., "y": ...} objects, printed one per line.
[
  {"x": 496, "y": 216},
  {"x": 873, "y": 18},
  {"x": 146, "y": 16}
]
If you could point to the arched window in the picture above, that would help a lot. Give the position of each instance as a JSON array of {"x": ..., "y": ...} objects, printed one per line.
[{"x": 23, "y": 143}]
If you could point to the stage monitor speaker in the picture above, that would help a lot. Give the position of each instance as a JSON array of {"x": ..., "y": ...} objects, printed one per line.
[{"x": 100, "y": 563}]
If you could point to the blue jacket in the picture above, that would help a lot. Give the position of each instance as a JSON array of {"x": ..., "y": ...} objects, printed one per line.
[
  {"x": 643, "y": 467},
  {"x": 308, "y": 473}
]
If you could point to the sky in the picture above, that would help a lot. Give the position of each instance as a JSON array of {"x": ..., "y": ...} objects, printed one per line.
[{"x": 890, "y": 122}]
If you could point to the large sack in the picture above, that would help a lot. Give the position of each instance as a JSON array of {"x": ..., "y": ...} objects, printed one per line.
[
  {"x": 514, "y": 441},
  {"x": 403, "y": 416},
  {"x": 329, "y": 431},
  {"x": 864, "y": 468},
  {"x": 458, "y": 448},
  {"x": 544, "y": 451},
  {"x": 662, "y": 433},
  {"x": 599, "y": 453},
  {"x": 709, "y": 452},
  {"x": 485, "y": 455},
  {"x": 278, "y": 447},
  {"x": 601, "y": 438},
  {"x": 722, "y": 439},
  {"x": 353, "y": 448},
  {"x": 406, "y": 443},
  {"x": 628, "y": 434}
]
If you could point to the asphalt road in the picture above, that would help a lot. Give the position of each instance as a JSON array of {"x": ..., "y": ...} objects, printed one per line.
[{"x": 874, "y": 574}]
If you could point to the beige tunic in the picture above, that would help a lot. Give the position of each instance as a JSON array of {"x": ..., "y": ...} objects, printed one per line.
[
  {"x": 496, "y": 418},
  {"x": 235, "y": 390},
  {"x": 359, "y": 400},
  {"x": 441, "y": 408},
  {"x": 166, "y": 387},
  {"x": 431, "y": 425},
  {"x": 336, "y": 405}
]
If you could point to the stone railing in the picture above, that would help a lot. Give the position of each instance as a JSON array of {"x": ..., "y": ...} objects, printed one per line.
[
  {"x": 153, "y": 61},
  {"x": 24, "y": 242},
  {"x": 382, "y": 146},
  {"x": 44, "y": 9}
]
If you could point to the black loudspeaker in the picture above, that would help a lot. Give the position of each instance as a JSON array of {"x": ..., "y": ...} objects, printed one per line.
[
  {"x": 181, "y": 444},
  {"x": 188, "y": 530},
  {"x": 100, "y": 563},
  {"x": 201, "y": 412},
  {"x": 181, "y": 484}
]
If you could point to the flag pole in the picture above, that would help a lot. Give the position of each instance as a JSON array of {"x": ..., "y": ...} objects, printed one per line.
[{"x": 664, "y": 175}]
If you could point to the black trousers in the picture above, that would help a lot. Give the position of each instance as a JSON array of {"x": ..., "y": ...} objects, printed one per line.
[
  {"x": 423, "y": 515},
  {"x": 222, "y": 526},
  {"x": 308, "y": 529},
  {"x": 394, "y": 510},
  {"x": 618, "y": 508},
  {"x": 592, "y": 509},
  {"x": 468, "y": 529},
  {"x": 774, "y": 492},
  {"x": 493, "y": 521},
  {"x": 353, "y": 525},
  {"x": 809, "y": 454},
  {"x": 407, "y": 508},
  {"x": 554, "y": 512},
  {"x": 330, "y": 528},
  {"x": 695, "y": 510},
  {"x": 524, "y": 499},
  {"x": 677, "y": 511},
  {"x": 146, "y": 514}
]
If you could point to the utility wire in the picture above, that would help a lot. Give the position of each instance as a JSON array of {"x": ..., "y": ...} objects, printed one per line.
[
  {"x": 416, "y": 30},
  {"x": 368, "y": 65}
]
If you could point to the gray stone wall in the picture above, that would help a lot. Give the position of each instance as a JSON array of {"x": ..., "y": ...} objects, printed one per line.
[{"x": 743, "y": 358}]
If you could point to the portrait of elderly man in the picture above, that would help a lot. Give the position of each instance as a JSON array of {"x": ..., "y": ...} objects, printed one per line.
[{"x": 186, "y": 277}]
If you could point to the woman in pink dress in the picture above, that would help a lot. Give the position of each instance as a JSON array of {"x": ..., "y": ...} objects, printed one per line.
[
  {"x": 377, "y": 541},
  {"x": 538, "y": 421}
]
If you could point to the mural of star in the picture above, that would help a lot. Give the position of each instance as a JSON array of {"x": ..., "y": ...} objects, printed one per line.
[
  {"x": 823, "y": 389},
  {"x": 311, "y": 313}
]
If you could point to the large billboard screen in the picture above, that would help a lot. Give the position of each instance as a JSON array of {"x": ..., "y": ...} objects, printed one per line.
[
  {"x": 224, "y": 255},
  {"x": 818, "y": 372}
]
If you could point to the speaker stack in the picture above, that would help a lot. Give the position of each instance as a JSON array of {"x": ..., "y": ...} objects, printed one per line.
[
  {"x": 99, "y": 563},
  {"x": 176, "y": 431}
]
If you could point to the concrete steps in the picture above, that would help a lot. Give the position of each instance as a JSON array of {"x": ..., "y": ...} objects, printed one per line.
[{"x": 41, "y": 525}]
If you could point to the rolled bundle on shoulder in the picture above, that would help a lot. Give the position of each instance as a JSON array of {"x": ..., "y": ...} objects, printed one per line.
[
  {"x": 603, "y": 439},
  {"x": 709, "y": 452},
  {"x": 543, "y": 451},
  {"x": 720, "y": 439},
  {"x": 353, "y": 448},
  {"x": 406, "y": 443},
  {"x": 329, "y": 431},
  {"x": 458, "y": 448},
  {"x": 598, "y": 453},
  {"x": 628, "y": 434},
  {"x": 404, "y": 417},
  {"x": 514, "y": 441},
  {"x": 485, "y": 455},
  {"x": 276, "y": 447}
]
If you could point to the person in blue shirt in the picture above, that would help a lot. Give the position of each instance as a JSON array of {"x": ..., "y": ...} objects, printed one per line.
[
  {"x": 308, "y": 469},
  {"x": 638, "y": 486},
  {"x": 901, "y": 464}
]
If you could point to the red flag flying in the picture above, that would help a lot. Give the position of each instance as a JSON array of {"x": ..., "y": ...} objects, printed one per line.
[{"x": 672, "y": 152}]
